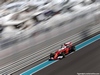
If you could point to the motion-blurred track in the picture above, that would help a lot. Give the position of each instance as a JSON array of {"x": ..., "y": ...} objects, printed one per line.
[{"x": 86, "y": 60}]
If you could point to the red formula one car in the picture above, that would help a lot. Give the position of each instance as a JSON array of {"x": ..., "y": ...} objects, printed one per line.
[{"x": 60, "y": 53}]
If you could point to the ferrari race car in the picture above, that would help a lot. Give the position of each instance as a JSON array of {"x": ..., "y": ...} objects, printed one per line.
[{"x": 66, "y": 48}]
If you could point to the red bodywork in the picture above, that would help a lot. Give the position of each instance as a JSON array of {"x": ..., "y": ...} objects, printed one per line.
[{"x": 65, "y": 49}]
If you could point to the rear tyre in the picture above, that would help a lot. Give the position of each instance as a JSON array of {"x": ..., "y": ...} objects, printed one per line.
[{"x": 73, "y": 49}]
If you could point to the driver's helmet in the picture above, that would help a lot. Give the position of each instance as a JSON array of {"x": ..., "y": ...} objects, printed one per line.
[
  {"x": 68, "y": 43},
  {"x": 64, "y": 44}
]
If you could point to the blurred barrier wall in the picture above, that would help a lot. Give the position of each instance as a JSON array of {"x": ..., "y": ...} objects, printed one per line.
[
  {"x": 42, "y": 45},
  {"x": 90, "y": 16}
]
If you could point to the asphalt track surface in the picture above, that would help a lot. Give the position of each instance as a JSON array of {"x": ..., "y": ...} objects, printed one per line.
[
  {"x": 86, "y": 60},
  {"x": 26, "y": 68}
]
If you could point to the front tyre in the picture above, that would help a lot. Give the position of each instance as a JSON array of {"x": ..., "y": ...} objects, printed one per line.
[{"x": 51, "y": 56}]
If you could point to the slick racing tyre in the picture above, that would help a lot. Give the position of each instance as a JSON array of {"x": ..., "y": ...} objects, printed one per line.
[
  {"x": 51, "y": 55},
  {"x": 72, "y": 49}
]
